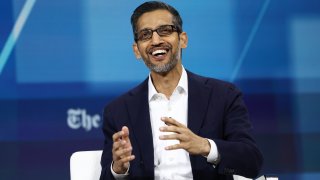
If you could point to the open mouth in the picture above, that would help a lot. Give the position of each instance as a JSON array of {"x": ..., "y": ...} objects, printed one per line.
[{"x": 159, "y": 53}]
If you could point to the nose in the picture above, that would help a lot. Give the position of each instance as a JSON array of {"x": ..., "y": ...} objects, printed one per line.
[{"x": 156, "y": 39}]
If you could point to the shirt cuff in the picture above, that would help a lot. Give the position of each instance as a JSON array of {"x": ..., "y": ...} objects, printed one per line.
[
  {"x": 119, "y": 176},
  {"x": 213, "y": 155}
]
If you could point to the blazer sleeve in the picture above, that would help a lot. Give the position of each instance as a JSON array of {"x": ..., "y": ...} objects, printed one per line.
[
  {"x": 108, "y": 130},
  {"x": 237, "y": 149}
]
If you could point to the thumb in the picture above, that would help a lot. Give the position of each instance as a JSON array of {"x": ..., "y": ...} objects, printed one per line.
[
  {"x": 125, "y": 129},
  {"x": 125, "y": 135}
]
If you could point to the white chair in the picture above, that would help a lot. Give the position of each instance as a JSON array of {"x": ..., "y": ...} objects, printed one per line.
[{"x": 85, "y": 165}]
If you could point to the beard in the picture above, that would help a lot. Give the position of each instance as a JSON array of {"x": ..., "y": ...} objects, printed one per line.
[{"x": 163, "y": 68}]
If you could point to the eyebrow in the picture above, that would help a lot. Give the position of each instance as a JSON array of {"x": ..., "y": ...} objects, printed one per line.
[{"x": 155, "y": 27}]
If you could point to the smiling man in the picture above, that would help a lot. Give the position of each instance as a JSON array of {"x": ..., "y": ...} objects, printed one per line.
[{"x": 176, "y": 124}]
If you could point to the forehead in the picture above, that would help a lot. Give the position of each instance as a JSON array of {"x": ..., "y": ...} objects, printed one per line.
[{"x": 154, "y": 19}]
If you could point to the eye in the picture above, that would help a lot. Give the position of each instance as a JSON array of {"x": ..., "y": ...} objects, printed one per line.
[
  {"x": 144, "y": 34},
  {"x": 165, "y": 30}
]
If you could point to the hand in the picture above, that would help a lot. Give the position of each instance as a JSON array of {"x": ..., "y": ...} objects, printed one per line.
[
  {"x": 189, "y": 141},
  {"x": 121, "y": 151}
]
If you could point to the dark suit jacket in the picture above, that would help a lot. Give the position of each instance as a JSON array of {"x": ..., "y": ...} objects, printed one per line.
[{"x": 215, "y": 111}]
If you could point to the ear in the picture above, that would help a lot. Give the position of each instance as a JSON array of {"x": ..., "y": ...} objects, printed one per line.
[
  {"x": 136, "y": 50},
  {"x": 183, "y": 40}
]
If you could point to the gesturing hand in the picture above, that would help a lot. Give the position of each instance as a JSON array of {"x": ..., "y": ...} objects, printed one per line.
[
  {"x": 189, "y": 141},
  {"x": 121, "y": 151}
]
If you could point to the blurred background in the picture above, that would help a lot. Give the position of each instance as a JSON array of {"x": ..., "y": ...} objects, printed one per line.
[{"x": 61, "y": 62}]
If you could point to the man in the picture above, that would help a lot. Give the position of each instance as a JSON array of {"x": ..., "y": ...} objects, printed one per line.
[{"x": 175, "y": 124}]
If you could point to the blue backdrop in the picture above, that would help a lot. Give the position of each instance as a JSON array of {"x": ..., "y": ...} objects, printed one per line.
[{"x": 61, "y": 62}]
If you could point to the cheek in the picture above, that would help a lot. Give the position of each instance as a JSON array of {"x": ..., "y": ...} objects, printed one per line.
[
  {"x": 176, "y": 47},
  {"x": 142, "y": 49}
]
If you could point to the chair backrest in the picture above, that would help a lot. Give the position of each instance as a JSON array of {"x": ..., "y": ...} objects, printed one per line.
[
  {"x": 236, "y": 177},
  {"x": 85, "y": 165}
]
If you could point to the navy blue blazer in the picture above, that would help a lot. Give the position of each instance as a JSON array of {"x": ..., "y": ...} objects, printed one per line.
[{"x": 215, "y": 111}]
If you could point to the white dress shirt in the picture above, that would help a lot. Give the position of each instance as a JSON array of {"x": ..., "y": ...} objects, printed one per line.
[{"x": 171, "y": 164}]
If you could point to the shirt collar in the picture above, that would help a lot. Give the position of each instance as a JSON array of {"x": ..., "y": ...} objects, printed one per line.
[{"x": 182, "y": 86}]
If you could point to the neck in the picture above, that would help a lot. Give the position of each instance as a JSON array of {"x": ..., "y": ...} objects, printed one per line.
[{"x": 167, "y": 82}]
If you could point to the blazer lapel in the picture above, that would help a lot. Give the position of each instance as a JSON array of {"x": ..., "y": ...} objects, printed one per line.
[
  {"x": 198, "y": 101},
  {"x": 138, "y": 108}
]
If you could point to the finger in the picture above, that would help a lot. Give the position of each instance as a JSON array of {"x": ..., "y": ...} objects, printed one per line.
[
  {"x": 170, "y": 121},
  {"x": 173, "y": 147},
  {"x": 123, "y": 162},
  {"x": 125, "y": 135},
  {"x": 125, "y": 130},
  {"x": 171, "y": 137},
  {"x": 127, "y": 159},
  {"x": 116, "y": 136},
  {"x": 116, "y": 145},
  {"x": 121, "y": 144},
  {"x": 174, "y": 129},
  {"x": 123, "y": 152}
]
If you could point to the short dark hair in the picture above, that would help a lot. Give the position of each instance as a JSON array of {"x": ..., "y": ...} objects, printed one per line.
[{"x": 152, "y": 6}]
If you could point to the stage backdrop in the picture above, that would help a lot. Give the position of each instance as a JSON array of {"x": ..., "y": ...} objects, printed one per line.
[{"x": 62, "y": 61}]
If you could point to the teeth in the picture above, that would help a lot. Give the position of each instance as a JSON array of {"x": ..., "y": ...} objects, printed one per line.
[{"x": 160, "y": 51}]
